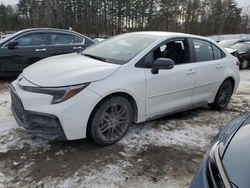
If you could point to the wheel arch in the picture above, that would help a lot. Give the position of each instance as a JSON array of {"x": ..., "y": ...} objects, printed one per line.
[
  {"x": 231, "y": 79},
  {"x": 116, "y": 94}
]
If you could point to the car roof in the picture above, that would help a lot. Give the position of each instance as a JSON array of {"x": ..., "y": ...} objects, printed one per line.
[
  {"x": 45, "y": 28},
  {"x": 53, "y": 30},
  {"x": 165, "y": 34},
  {"x": 50, "y": 29}
]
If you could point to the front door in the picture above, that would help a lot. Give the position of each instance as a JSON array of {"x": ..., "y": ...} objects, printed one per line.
[
  {"x": 31, "y": 48},
  {"x": 170, "y": 90}
]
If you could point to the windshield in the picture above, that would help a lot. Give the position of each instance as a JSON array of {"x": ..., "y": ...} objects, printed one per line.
[
  {"x": 228, "y": 42},
  {"x": 120, "y": 49},
  {"x": 8, "y": 36},
  {"x": 244, "y": 47}
]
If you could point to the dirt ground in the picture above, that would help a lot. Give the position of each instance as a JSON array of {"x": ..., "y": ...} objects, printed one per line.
[{"x": 162, "y": 153}]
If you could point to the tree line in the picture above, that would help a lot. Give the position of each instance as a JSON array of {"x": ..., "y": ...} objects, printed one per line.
[{"x": 110, "y": 17}]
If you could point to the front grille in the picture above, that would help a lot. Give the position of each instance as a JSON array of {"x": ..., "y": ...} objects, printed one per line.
[
  {"x": 17, "y": 107},
  {"x": 44, "y": 125}
]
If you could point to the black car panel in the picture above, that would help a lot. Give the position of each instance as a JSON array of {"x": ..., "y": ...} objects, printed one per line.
[
  {"x": 236, "y": 159},
  {"x": 234, "y": 133},
  {"x": 228, "y": 132},
  {"x": 244, "y": 51}
]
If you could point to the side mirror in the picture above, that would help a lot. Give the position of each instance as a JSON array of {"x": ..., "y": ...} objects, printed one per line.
[
  {"x": 13, "y": 44},
  {"x": 162, "y": 63}
]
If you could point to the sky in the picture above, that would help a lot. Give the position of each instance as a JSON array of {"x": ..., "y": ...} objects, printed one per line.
[{"x": 242, "y": 3}]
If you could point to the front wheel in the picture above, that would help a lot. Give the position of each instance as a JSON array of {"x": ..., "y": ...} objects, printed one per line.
[
  {"x": 111, "y": 120},
  {"x": 223, "y": 95}
]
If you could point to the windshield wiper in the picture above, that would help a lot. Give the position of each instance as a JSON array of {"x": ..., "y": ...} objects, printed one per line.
[{"x": 96, "y": 57}]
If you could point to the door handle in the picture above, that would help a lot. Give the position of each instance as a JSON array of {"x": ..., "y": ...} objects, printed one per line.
[
  {"x": 191, "y": 71},
  {"x": 77, "y": 48},
  {"x": 41, "y": 50},
  {"x": 220, "y": 66}
]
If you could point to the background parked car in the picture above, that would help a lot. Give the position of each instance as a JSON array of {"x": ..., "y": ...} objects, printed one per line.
[
  {"x": 227, "y": 162},
  {"x": 228, "y": 43},
  {"x": 29, "y": 46},
  {"x": 243, "y": 53},
  {"x": 232, "y": 51},
  {"x": 99, "y": 39}
]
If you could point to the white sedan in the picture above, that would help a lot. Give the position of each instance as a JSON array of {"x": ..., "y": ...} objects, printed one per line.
[{"x": 128, "y": 78}]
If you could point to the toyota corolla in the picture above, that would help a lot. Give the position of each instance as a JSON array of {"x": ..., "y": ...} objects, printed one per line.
[{"x": 128, "y": 78}]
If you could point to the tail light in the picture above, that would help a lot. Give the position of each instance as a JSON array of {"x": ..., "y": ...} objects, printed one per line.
[{"x": 238, "y": 63}]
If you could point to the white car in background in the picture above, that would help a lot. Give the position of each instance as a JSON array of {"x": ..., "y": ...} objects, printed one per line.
[
  {"x": 128, "y": 78},
  {"x": 99, "y": 40}
]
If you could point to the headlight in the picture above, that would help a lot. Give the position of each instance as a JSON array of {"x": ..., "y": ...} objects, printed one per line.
[
  {"x": 216, "y": 174},
  {"x": 59, "y": 94}
]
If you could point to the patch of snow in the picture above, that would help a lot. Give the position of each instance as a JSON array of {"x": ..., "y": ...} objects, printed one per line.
[
  {"x": 36, "y": 144},
  {"x": 3, "y": 179},
  {"x": 15, "y": 163},
  {"x": 187, "y": 134},
  {"x": 111, "y": 176},
  {"x": 7, "y": 121},
  {"x": 11, "y": 137},
  {"x": 61, "y": 153},
  {"x": 142, "y": 182},
  {"x": 16, "y": 140}
]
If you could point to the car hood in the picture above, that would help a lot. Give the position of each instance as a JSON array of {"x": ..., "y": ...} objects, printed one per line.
[{"x": 66, "y": 70}]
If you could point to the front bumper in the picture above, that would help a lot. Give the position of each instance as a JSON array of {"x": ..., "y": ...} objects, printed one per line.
[
  {"x": 43, "y": 125},
  {"x": 72, "y": 115}
]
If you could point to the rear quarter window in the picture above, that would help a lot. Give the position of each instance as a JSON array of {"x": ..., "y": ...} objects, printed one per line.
[
  {"x": 79, "y": 40},
  {"x": 218, "y": 53}
]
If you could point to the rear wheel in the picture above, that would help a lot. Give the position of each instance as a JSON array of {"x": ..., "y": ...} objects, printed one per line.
[
  {"x": 243, "y": 63},
  {"x": 111, "y": 120},
  {"x": 223, "y": 95}
]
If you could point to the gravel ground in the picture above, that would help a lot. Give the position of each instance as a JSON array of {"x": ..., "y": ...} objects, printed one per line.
[{"x": 162, "y": 153}]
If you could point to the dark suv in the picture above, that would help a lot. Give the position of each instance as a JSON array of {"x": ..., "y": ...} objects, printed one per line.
[{"x": 31, "y": 45}]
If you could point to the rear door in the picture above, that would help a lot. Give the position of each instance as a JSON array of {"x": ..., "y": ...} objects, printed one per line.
[
  {"x": 210, "y": 68},
  {"x": 32, "y": 47},
  {"x": 64, "y": 43}
]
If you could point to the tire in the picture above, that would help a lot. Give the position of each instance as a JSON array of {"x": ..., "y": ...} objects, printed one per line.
[
  {"x": 223, "y": 95},
  {"x": 244, "y": 63},
  {"x": 110, "y": 120}
]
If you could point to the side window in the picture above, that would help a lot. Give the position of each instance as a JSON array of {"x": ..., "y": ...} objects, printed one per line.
[
  {"x": 204, "y": 51},
  {"x": 218, "y": 54},
  {"x": 177, "y": 50},
  {"x": 34, "y": 39},
  {"x": 61, "y": 39},
  {"x": 79, "y": 40}
]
